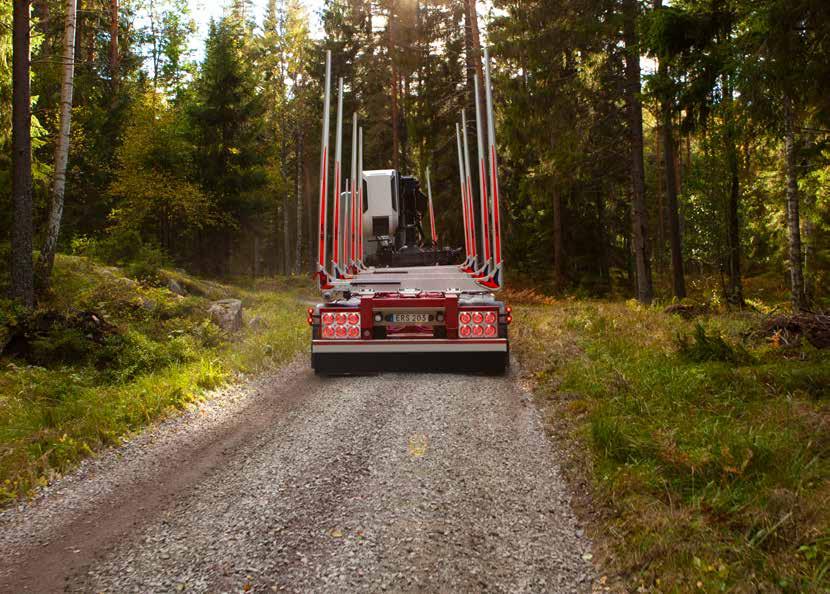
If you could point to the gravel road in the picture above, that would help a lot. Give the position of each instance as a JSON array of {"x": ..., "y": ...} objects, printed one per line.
[{"x": 415, "y": 483}]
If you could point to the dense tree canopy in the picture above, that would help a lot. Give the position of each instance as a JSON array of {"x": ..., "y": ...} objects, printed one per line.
[{"x": 214, "y": 164}]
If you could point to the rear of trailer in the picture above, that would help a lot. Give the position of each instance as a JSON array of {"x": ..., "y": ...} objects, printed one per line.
[{"x": 439, "y": 318}]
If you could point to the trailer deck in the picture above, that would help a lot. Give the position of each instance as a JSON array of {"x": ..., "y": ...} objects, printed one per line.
[{"x": 423, "y": 278}]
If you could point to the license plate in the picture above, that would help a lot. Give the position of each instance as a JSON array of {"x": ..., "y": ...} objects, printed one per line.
[{"x": 411, "y": 318}]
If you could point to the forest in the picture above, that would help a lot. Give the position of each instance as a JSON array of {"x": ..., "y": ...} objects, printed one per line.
[
  {"x": 665, "y": 187},
  {"x": 644, "y": 145}
]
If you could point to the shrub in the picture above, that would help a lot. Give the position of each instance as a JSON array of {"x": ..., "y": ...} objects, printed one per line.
[
  {"x": 125, "y": 247},
  {"x": 704, "y": 348}
]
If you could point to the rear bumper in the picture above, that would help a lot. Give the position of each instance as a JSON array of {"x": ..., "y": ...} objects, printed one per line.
[{"x": 426, "y": 356}]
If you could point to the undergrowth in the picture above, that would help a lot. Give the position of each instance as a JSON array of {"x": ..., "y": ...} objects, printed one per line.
[
  {"x": 708, "y": 445},
  {"x": 105, "y": 355}
]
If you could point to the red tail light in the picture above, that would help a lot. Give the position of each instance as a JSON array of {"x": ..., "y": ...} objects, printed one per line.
[
  {"x": 478, "y": 324},
  {"x": 342, "y": 325}
]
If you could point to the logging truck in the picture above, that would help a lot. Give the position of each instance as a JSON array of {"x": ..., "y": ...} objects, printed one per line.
[{"x": 393, "y": 299}]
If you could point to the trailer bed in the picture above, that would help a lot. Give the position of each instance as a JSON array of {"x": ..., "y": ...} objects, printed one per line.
[{"x": 421, "y": 278}]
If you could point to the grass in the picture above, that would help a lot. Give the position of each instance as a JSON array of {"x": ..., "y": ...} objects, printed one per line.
[
  {"x": 707, "y": 446},
  {"x": 74, "y": 392}
]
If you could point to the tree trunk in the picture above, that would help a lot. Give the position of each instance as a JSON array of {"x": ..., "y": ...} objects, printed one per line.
[
  {"x": 394, "y": 83},
  {"x": 22, "y": 273},
  {"x": 793, "y": 220},
  {"x": 660, "y": 246},
  {"x": 47, "y": 254},
  {"x": 80, "y": 30},
  {"x": 475, "y": 45},
  {"x": 603, "y": 265},
  {"x": 678, "y": 280},
  {"x": 311, "y": 214},
  {"x": 557, "y": 239},
  {"x": 639, "y": 238},
  {"x": 298, "y": 192},
  {"x": 115, "y": 56},
  {"x": 734, "y": 291}
]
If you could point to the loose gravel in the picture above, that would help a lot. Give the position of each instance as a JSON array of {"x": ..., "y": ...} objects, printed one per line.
[{"x": 416, "y": 483}]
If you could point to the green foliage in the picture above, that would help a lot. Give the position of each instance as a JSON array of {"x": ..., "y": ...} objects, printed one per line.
[
  {"x": 703, "y": 348},
  {"x": 124, "y": 247},
  {"x": 70, "y": 385},
  {"x": 711, "y": 459},
  {"x": 159, "y": 199}
]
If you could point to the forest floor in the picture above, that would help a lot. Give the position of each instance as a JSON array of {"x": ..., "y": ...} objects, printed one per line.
[
  {"x": 104, "y": 355},
  {"x": 698, "y": 445}
]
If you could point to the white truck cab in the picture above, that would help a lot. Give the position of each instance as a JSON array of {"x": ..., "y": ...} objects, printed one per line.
[{"x": 381, "y": 206}]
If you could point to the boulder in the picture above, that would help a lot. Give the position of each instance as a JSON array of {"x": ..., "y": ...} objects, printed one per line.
[
  {"x": 174, "y": 287},
  {"x": 257, "y": 323},
  {"x": 227, "y": 314}
]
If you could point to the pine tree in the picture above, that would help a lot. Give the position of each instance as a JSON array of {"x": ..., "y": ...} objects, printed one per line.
[{"x": 227, "y": 125}]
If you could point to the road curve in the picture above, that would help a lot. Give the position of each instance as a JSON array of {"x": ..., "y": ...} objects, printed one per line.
[{"x": 415, "y": 483}]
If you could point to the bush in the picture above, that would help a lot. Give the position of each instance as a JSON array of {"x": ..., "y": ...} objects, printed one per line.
[
  {"x": 133, "y": 354},
  {"x": 703, "y": 348},
  {"x": 140, "y": 259}
]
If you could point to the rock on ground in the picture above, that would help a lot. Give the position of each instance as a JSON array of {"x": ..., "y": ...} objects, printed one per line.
[
  {"x": 227, "y": 314},
  {"x": 175, "y": 288},
  {"x": 389, "y": 483}
]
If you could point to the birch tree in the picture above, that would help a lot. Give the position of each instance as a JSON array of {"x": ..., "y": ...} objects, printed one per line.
[{"x": 47, "y": 253}]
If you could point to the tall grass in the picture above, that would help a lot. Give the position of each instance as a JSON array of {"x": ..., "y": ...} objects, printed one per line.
[
  {"x": 709, "y": 446},
  {"x": 73, "y": 396}
]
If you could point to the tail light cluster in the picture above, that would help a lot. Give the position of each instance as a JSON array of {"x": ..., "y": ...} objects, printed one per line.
[
  {"x": 340, "y": 325},
  {"x": 478, "y": 324}
]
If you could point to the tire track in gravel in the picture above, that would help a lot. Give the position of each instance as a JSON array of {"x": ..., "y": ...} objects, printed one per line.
[{"x": 398, "y": 482}]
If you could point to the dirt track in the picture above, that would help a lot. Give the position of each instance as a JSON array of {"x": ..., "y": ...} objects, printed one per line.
[{"x": 395, "y": 482}]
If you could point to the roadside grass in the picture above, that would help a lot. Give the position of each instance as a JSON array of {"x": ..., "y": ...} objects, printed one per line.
[
  {"x": 707, "y": 445},
  {"x": 74, "y": 392}
]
